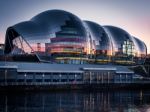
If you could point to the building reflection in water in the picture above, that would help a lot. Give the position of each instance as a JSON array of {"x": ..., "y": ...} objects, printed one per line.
[{"x": 123, "y": 101}]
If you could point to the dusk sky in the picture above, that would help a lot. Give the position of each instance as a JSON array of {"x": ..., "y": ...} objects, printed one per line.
[{"x": 131, "y": 15}]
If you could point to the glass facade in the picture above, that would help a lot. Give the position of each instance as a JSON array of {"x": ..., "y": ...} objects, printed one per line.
[
  {"x": 20, "y": 46},
  {"x": 100, "y": 47},
  {"x": 58, "y": 36},
  {"x": 121, "y": 40},
  {"x": 53, "y": 36},
  {"x": 141, "y": 49},
  {"x": 125, "y": 47},
  {"x": 128, "y": 48}
]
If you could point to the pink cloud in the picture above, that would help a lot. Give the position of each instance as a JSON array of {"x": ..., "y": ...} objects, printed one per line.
[
  {"x": 138, "y": 27},
  {"x": 142, "y": 24},
  {"x": 145, "y": 22},
  {"x": 143, "y": 30}
]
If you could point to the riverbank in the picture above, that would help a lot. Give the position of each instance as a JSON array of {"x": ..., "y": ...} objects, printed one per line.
[{"x": 70, "y": 87}]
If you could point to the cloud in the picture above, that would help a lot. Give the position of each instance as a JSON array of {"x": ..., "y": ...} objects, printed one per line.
[{"x": 142, "y": 27}]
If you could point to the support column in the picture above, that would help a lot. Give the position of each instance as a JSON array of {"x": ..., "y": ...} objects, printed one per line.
[
  {"x": 25, "y": 75},
  {"x": 67, "y": 77},
  {"x": 75, "y": 76},
  {"x": 108, "y": 77},
  {"x": 120, "y": 78},
  {"x": 43, "y": 77},
  {"x": 60, "y": 77},
  {"x": 34, "y": 81},
  {"x": 126, "y": 78},
  {"x": 6, "y": 76},
  {"x": 97, "y": 77},
  {"x": 51, "y": 76},
  {"x": 90, "y": 77},
  {"x": 102, "y": 77}
]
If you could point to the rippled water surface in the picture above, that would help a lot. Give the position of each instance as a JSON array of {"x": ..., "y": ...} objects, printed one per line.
[{"x": 108, "y": 101}]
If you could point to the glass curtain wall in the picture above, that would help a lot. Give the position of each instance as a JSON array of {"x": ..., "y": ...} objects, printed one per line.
[
  {"x": 128, "y": 48},
  {"x": 21, "y": 47},
  {"x": 67, "y": 46}
]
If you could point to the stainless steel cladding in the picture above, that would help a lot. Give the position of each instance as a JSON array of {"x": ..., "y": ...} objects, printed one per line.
[{"x": 57, "y": 36}]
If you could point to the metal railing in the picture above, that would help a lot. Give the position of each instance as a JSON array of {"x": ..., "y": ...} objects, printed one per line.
[{"x": 72, "y": 83}]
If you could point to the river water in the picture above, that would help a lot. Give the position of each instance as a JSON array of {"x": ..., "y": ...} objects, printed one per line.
[{"x": 76, "y": 101}]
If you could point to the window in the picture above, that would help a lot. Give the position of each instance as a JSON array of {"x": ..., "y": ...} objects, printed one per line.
[
  {"x": 128, "y": 48},
  {"x": 20, "y": 46}
]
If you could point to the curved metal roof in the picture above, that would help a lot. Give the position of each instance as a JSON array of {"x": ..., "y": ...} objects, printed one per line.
[
  {"x": 117, "y": 35},
  {"x": 140, "y": 46},
  {"x": 98, "y": 35},
  {"x": 45, "y": 25}
]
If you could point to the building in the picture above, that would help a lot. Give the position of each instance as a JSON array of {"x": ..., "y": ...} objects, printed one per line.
[
  {"x": 24, "y": 73},
  {"x": 68, "y": 50},
  {"x": 58, "y": 36}
]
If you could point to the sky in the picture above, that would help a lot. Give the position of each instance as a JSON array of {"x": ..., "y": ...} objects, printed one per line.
[{"x": 131, "y": 15}]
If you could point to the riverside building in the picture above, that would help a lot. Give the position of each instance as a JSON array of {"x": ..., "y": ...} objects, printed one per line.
[{"x": 57, "y": 47}]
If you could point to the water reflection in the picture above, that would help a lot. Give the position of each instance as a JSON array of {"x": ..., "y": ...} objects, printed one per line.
[{"x": 122, "y": 101}]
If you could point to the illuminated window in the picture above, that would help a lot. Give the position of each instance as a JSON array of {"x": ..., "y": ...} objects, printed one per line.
[{"x": 128, "y": 48}]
